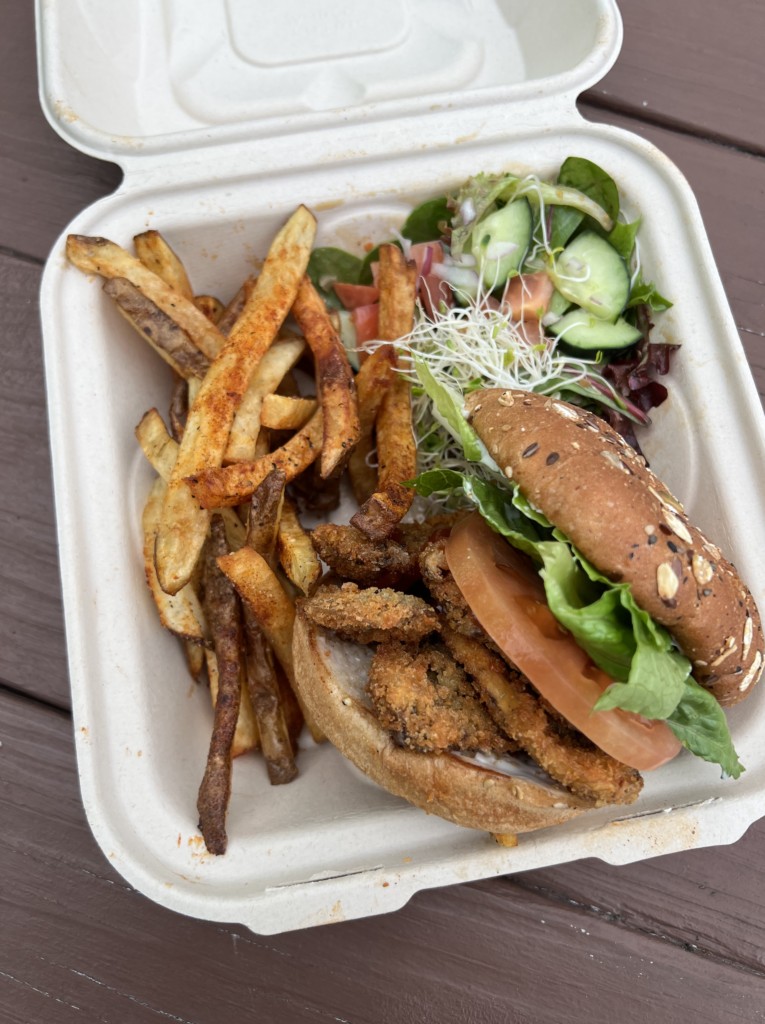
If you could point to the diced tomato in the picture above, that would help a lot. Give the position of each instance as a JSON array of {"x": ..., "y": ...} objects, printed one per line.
[
  {"x": 366, "y": 320},
  {"x": 506, "y": 594},
  {"x": 527, "y": 296},
  {"x": 354, "y": 295}
]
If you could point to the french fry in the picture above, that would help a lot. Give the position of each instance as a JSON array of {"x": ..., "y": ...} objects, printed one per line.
[
  {"x": 271, "y": 371},
  {"x": 161, "y": 452},
  {"x": 260, "y": 589},
  {"x": 100, "y": 256},
  {"x": 334, "y": 378},
  {"x": 246, "y": 733},
  {"x": 195, "y": 658},
  {"x": 233, "y": 310},
  {"x": 211, "y": 307},
  {"x": 398, "y": 286},
  {"x": 372, "y": 382},
  {"x": 281, "y": 412},
  {"x": 265, "y": 697},
  {"x": 155, "y": 253},
  {"x": 232, "y": 485},
  {"x": 184, "y": 524},
  {"x": 265, "y": 515},
  {"x": 165, "y": 336},
  {"x": 396, "y": 445},
  {"x": 180, "y": 613},
  {"x": 222, "y": 609},
  {"x": 179, "y": 407},
  {"x": 297, "y": 556}
]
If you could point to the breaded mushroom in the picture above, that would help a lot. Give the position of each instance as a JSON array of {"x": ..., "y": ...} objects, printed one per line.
[
  {"x": 445, "y": 592},
  {"x": 372, "y": 614},
  {"x": 424, "y": 699},
  {"x": 565, "y": 754}
]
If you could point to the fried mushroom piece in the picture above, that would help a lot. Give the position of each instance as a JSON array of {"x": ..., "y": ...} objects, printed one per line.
[
  {"x": 564, "y": 753},
  {"x": 388, "y": 563},
  {"x": 425, "y": 700},
  {"x": 371, "y": 615},
  {"x": 445, "y": 592},
  {"x": 354, "y": 556}
]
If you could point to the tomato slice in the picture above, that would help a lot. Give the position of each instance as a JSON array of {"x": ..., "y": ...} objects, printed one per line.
[{"x": 506, "y": 594}]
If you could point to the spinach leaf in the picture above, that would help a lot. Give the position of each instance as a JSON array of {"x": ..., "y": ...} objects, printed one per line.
[
  {"x": 622, "y": 238},
  {"x": 645, "y": 293},
  {"x": 427, "y": 222},
  {"x": 579, "y": 173},
  {"x": 327, "y": 265}
]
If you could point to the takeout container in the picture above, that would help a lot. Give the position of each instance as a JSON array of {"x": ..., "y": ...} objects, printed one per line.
[{"x": 223, "y": 123}]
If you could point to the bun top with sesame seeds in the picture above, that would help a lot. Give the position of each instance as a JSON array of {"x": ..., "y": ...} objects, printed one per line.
[{"x": 593, "y": 486}]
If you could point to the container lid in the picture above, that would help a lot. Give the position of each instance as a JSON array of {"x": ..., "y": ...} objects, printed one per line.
[{"x": 148, "y": 79}]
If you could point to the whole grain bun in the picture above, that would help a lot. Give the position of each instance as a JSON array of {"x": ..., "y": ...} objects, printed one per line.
[
  {"x": 594, "y": 487},
  {"x": 331, "y": 676}
]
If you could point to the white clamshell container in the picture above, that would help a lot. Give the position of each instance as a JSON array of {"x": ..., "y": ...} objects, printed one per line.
[{"x": 223, "y": 119}]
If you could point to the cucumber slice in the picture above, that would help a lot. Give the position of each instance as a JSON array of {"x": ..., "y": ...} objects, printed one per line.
[
  {"x": 558, "y": 304},
  {"x": 580, "y": 329},
  {"x": 591, "y": 273},
  {"x": 501, "y": 241}
]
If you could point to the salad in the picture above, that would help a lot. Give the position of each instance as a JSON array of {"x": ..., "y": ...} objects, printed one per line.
[{"x": 523, "y": 283}]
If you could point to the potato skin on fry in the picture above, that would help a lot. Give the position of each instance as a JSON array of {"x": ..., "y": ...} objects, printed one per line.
[{"x": 223, "y": 615}]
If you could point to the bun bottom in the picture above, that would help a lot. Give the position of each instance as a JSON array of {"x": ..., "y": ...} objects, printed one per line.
[{"x": 331, "y": 678}]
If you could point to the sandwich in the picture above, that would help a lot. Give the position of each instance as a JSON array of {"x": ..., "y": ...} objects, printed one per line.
[{"x": 512, "y": 666}]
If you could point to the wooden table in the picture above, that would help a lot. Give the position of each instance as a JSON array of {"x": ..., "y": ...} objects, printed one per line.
[{"x": 677, "y": 938}]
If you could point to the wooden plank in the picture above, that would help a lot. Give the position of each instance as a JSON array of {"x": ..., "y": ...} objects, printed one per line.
[
  {"x": 729, "y": 189},
  {"x": 710, "y": 901},
  {"x": 32, "y": 647},
  {"x": 695, "y": 67},
  {"x": 78, "y": 944},
  {"x": 44, "y": 183}
]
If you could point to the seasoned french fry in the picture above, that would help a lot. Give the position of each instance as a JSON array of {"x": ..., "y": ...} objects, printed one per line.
[
  {"x": 223, "y": 614},
  {"x": 265, "y": 697},
  {"x": 398, "y": 288},
  {"x": 184, "y": 524},
  {"x": 281, "y": 412},
  {"x": 271, "y": 371},
  {"x": 396, "y": 445},
  {"x": 233, "y": 310},
  {"x": 261, "y": 591},
  {"x": 233, "y": 485},
  {"x": 334, "y": 378},
  {"x": 161, "y": 451},
  {"x": 100, "y": 256},
  {"x": 180, "y": 613},
  {"x": 297, "y": 557},
  {"x": 246, "y": 733},
  {"x": 372, "y": 382},
  {"x": 155, "y": 253},
  {"x": 165, "y": 336},
  {"x": 211, "y": 307},
  {"x": 265, "y": 515},
  {"x": 195, "y": 658}
]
